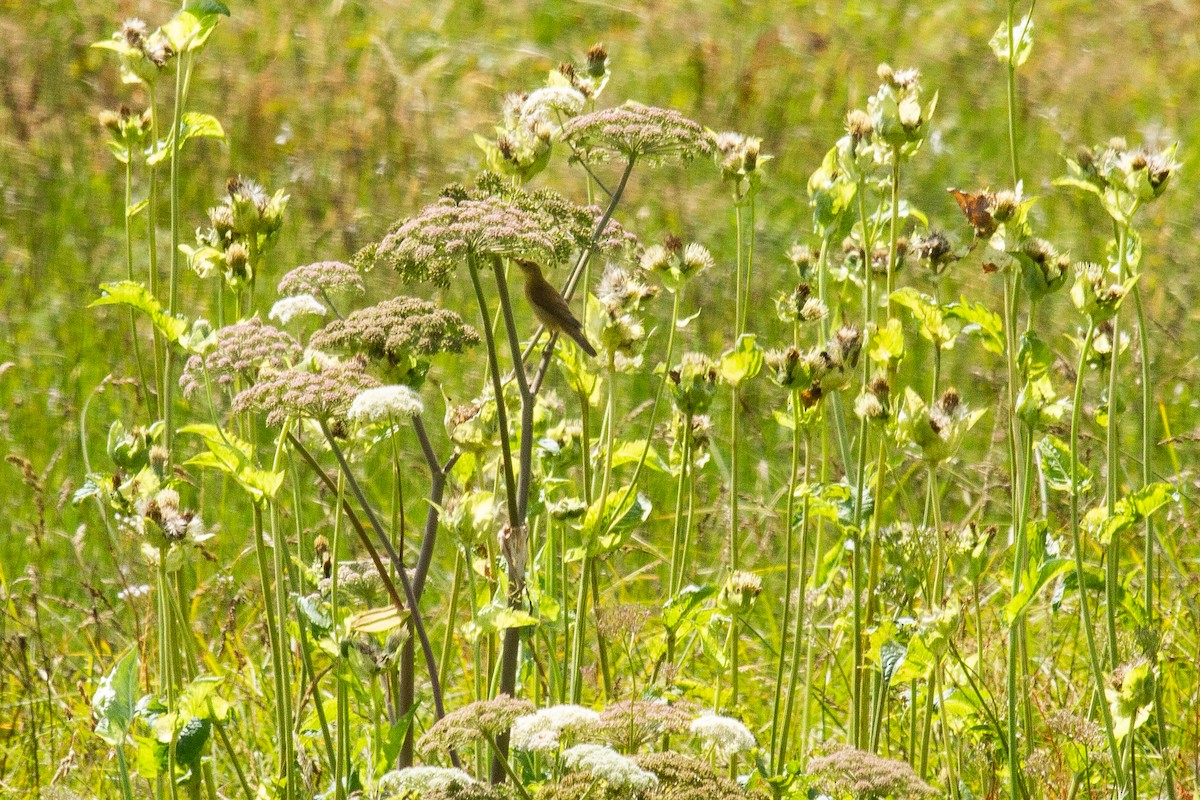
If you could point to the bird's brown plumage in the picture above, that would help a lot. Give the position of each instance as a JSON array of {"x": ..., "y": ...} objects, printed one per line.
[{"x": 550, "y": 308}]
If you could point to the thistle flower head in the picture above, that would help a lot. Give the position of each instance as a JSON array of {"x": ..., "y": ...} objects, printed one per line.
[
  {"x": 617, "y": 771},
  {"x": 321, "y": 394},
  {"x": 898, "y": 118},
  {"x": 1096, "y": 294},
  {"x": 288, "y": 308},
  {"x": 482, "y": 719},
  {"x": 385, "y": 404},
  {"x": 675, "y": 263},
  {"x": 240, "y": 350},
  {"x": 548, "y": 729},
  {"x": 740, "y": 591},
  {"x": 802, "y": 259},
  {"x": 620, "y": 291},
  {"x": 787, "y": 368},
  {"x": 739, "y": 157},
  {"x": 635, "y": 131},
  {"x": 320, "y": 278},
  {"x": 799, "y": 305},
  {"x": 936, "y": 431},
  {"x": 402, "y": 333},
  {"x": 728, "y": 735},
  {"x": 693, "y": 383},
  {"x": 863, "y": 775},
  {"x": 933, "y": 250}
]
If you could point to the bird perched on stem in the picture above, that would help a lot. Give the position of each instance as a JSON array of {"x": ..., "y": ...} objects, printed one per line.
[{"x": 549, "y": 306}]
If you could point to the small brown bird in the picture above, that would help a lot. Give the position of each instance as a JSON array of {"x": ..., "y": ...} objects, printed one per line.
[{"x": 549, "y": 306}]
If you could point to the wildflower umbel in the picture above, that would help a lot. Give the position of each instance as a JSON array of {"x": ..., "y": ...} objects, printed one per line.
[
  {"x": 728, "y": 735},
  {"x": 321, "y": 395},
  {"x": 241, "y": 350},
  {"x": 418, "y": 780},
  {"x": 616, "y": 770},
  {"x": 684, "y": 778},
  {"x": 483, "y": 719},
  {"x": 631, "y": 723},
  {"x": 322, "y": 277},
  {"x": 429, "y": 246},
  {"x": 865, "y": 776},
  {"x": 544, "y": 730},
  {"x": 302, "y": 305},
  {"x": 398, "y": 330},
  {"x": 635, "y": 131},
  {"x": 384, "y": 404}
]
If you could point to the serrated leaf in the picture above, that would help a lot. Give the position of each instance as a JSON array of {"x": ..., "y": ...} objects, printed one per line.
[
  {"x": 979, "y": 321},
  {"x": 135, "y": 295},
  {"x": 193, "y": 125},
  {"x": 1056, "y": 466},
  {"x": 931, "y": 322},
  {"x": 114, "y": 702}
]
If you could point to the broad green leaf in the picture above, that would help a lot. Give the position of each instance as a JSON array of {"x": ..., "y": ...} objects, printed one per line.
[
  {"x": 193, "y": 125},
  {"x": 741, "y": 362},
  {"x": 1056, "y": 466},
  {"x": 886, "y": 345},
  {"x": 609, "y": 520},
  {"x": 979, "y": 321},
  {"x": 631, "y": 453},
  {"x": 115, "y": 700},
  {"x": 135, "y": 295},
  {"x": 931, "y": 322},
  {"x": 189, "y": 29},
  {"x": 916, "y": 664},
  {"x": 1032, "y": 583},
  {"x": 685, "y": 604},
  {"x": 1022, "y": 41}
]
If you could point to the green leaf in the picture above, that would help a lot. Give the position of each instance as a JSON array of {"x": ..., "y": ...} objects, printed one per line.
[
  {"x": 189, "y": 29},
  {"x": 609, "y": 521},
  {"x": 232, "y": 456},
  {"x": 741, "y": 362},
  {"x": 886, "y": 346},
  {"x": 631, "y": 453},
  {"x": 193, "y": 125},
  {"x": 1056, "y": 466},
  {"x": 979, "y": 321},
  {"x": 115, "y": 700},
  {"x": 931, "y": 322},
  {"x": 1022, "y": 39},
  {"x": 685, "y": 604},
  {"x": 135, "y": 295},
  {"x": 1032, "y": 583},
  {"x": 917, "y": 663}
]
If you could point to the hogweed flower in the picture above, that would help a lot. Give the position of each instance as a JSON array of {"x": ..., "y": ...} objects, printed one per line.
[
  {"x": 322, "y": 395},
  {"x": 288, "y": 308},
  {"x": 726, "y": 734},
  {"x": 545, "y": 730},
  {"x": 483, "y": 719},
  {"x": 418, "y": 781},
  {"x": 240, "y": 351},
  {"x": 384, "y": 404},
  {"x": 429, "y": 246},
  {"x": 618, "y": 772},
  {"x": 629, "y": 724},
  {"x": 402, "y": 333},
  {"x": 684, "y": 778},
  {"x": 863, "y": 775},
  {"x": 634, "y": 131},
  {"x": 321, "y": 278}
]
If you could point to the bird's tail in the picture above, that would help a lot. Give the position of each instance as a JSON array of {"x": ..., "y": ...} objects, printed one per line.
[{"x": 576, "y": 333}]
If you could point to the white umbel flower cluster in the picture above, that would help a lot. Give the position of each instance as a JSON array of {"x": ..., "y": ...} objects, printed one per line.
[
  {"x": 400, "y": 782},
  {"x": 619, "y": 772},
  {"x": 288, "y": 308},
  {"x": 726, "y": 734},
  {"x": 543, "y": 730},
  {"x": 385, "y": 403}
]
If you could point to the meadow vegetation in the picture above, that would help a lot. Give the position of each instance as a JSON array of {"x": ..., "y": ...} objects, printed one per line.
[{"x": 578, "y": 401}]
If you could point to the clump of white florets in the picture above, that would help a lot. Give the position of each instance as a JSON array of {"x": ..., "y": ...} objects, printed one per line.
[
  {"x": 385, "y": 403},
  {"x": 544, "y": 730},
  {"x": 288, "y": 308},
  {"x": 419, "y": 780},
  {"x": 604, "y": 763},
  {"x": 726, "y": 734}
]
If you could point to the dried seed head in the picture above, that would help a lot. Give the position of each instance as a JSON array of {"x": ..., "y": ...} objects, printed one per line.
[{"x": 859, "y": 125}]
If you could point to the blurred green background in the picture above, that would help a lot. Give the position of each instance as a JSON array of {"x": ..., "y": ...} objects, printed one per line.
[{"x": 363, "y": 110}]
